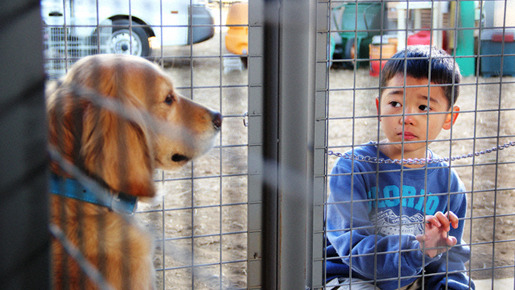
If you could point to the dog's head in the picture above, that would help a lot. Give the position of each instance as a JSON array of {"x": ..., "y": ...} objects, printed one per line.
[{"x": 117, "y": 117}]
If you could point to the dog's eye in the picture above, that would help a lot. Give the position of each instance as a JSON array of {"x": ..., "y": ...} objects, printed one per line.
[{"x": 169, "y": 99}]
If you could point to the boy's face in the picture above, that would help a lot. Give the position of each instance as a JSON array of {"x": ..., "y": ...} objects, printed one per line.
[{"x": 410, "y": 120}]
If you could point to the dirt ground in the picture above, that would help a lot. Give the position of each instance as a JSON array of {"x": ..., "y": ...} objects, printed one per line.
[{"x": 202, "y": 217}]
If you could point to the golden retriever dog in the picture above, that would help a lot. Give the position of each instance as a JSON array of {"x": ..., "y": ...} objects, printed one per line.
[{"x": 115, "y": 118}]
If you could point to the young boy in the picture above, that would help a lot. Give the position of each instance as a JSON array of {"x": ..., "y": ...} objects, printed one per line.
[{"x": 389, "y": 225}]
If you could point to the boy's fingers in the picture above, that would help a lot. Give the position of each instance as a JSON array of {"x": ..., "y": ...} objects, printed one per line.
[
  {"x": 451, "y": 241},
  {"x": 420, "y": 238},
  {"x": 433, "y": 221},
  {"x": 453, "y": 219},
  {"x": 443, "y": 221}
]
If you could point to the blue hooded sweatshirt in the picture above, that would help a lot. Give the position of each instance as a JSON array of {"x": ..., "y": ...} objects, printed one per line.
[{"x": 372, "y": 221}]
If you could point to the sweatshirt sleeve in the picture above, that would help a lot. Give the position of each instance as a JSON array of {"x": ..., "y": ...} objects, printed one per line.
[
  {"x": 354, "y": 236},
  {"x": 450, "y": 268}
]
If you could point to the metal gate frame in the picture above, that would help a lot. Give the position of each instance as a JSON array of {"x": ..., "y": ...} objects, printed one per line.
[
  {"x": 288, "y": 95},
  {"x": 287, "y": 142},
  {"x": 286, "y": 132}
]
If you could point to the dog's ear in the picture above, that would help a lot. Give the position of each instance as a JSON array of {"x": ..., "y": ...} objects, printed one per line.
[
  {"x": 64, "y": 113},
  {"x": 118, "y": 150},
  {"x": 108, "y": 147}
]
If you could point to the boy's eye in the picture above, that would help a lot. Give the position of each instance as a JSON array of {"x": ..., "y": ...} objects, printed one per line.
[
  {"x": 395, "y": 104},
  {"x": 424, "y": 108}
]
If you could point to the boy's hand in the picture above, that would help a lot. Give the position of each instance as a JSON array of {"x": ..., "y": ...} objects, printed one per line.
[
  {"x": 436, "y": 239},
  {"x": 444, "y": 221}
]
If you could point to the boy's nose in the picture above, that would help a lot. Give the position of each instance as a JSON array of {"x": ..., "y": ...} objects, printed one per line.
[{"x": 407, "y": 118}]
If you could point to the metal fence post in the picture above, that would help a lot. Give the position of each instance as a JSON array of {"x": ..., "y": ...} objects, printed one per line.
[
  {"x": 296, "y": 125},
  {"x": 289, "y": 93},
  {"x": 270, "y": 155},
  {"x": 24, "y": 246}
]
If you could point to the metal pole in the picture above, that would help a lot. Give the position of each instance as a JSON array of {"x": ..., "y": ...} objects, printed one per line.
[
  {"x": 24, "y": 246},
  {"x": 296, "y": 105},
  {"x": 270, "y": 143},
  {"x": 289, "y": 88}
]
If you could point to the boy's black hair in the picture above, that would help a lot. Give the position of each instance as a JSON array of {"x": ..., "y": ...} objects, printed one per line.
[{"x": 423, "y": 61}]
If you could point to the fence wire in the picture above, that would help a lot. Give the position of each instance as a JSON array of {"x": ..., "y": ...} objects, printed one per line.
[
  {"x": 364, "y": 45},
  {"x": 199, "y": 222},
  {"x": 207, "y": 223}
]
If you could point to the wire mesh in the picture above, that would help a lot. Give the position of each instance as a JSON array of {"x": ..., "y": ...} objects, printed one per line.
[
  {"x": 63, "y": 47},
  {"x": 204, "y": 223},
  {"x": 486, "y": 105},
  {"x": 199, "y": 221}
]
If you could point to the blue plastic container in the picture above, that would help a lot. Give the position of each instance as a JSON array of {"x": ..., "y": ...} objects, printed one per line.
[{"x": 491, "y": 58}]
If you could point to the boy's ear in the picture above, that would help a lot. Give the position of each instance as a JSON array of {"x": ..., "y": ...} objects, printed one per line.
[
  {"x": 377, "y": 107},
  {"x": 451, "y": 118}
]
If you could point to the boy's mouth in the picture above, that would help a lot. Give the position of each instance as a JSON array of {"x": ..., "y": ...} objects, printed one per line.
[{"x": 407, "y": 135}]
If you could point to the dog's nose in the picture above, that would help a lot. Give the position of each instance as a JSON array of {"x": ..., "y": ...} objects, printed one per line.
[{"x": 217, "y": 120}]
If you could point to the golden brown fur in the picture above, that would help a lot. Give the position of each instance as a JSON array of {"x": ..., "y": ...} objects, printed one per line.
[{"x": 158, "y": 129}]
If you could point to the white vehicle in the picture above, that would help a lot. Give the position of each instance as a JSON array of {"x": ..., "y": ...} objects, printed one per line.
[{"x": 136, "y": 27}]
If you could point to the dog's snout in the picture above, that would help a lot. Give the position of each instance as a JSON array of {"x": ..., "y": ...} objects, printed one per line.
[{"x": 217, "y": 120}]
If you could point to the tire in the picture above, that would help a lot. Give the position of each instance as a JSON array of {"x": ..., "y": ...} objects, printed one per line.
[{"x": 121, "y": 42}]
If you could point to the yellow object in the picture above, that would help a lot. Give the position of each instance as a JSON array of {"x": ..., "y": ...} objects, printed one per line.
[
  {"x": 237, "y": 37},
  {"x": 379, "y": 55},
  {"x": 386, "y": 50}
]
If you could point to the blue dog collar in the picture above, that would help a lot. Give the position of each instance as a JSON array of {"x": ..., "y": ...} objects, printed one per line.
[{"x": 72, "y": 188}]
